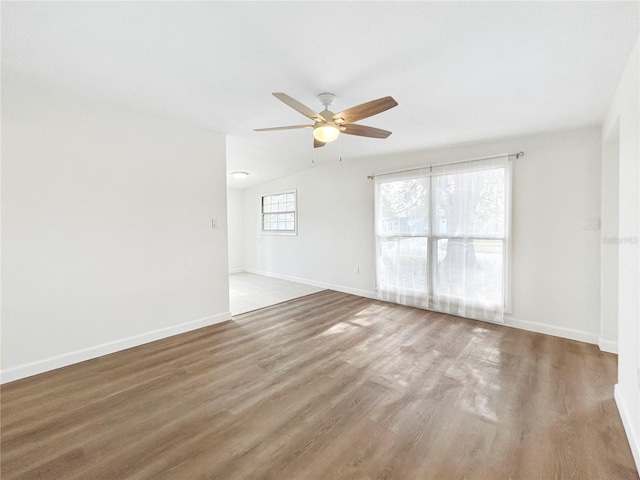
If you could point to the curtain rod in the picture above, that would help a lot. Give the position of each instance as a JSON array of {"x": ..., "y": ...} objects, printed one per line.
[{"x": 517, "y": 155}]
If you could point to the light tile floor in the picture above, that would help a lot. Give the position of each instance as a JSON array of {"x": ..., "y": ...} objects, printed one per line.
[{"x": 248, "y": 291}]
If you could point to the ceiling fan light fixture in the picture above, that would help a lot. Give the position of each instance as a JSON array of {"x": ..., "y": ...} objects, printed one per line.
[
  {"x": 240, "y": 175},
  {"x": 326, "y": 132}
]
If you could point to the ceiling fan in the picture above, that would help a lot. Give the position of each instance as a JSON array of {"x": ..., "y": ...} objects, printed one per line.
[{"x": 329, "y": 125}]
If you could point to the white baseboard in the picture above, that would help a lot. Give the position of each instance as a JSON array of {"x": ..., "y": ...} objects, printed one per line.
[
  {"x": 313, "y": 283},
  {"x": 570, "y": 333},
  {"x": 59, "y": 361},
  {"x": 237, "y": 270},
  {"x": 626, "y": 422},
  {"x": 610, "y": 346},
  {"x": 509, "y": 321}
]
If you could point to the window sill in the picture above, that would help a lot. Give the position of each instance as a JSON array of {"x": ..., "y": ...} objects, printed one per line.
[{"x": 286, "y": 234}]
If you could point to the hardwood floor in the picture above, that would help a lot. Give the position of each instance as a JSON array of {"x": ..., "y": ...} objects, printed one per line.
[{"x": 328, "y": 386}]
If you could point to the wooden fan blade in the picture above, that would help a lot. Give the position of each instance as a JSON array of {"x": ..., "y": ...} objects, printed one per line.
[
  {"x": 299, "y": 107},
  {"x": 317, "y": 143},
  {"x": 290, "y": 127},
  {"x": 364, "y": 110},
  {"x": 362, "y": 131}
]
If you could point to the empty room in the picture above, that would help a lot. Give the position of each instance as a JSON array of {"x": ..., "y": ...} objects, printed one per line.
[{"x": 320, "y": 240}]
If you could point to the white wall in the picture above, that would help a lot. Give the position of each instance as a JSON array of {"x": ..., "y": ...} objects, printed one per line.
[
  {"x": 556, "y": 262},
  {"x": 235, "y": 214},
  {"x": 106, "y": 220},
  {"x": 623, "y": 119},
  {"x": 609, "y": 251}
]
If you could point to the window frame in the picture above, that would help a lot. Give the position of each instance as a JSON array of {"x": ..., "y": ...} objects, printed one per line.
[{"x": 263, "y": 214}]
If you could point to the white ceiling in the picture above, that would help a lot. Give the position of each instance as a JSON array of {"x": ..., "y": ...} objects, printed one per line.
[{"x": 460, "y": 71}]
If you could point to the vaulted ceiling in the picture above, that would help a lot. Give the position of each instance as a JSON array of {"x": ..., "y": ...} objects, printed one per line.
[{"x": 460, "y": 71}]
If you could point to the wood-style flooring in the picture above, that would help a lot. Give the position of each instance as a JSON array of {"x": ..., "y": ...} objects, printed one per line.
[{"x": 328, "y": 386}]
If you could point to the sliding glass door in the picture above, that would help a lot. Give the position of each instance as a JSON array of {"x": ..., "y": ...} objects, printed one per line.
[{"x": 442, "y": 237}]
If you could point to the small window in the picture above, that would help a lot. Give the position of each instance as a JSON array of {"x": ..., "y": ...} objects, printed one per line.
[{"x": 279, "y": 213}]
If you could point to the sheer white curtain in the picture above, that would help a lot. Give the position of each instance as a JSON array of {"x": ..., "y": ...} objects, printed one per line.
[
  {"x": 402, "y": 236},
  {"x": 442, "y": 237},
  {"x": 470, "y": 238}
]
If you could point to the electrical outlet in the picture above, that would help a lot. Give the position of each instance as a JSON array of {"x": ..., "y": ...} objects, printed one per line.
[
  {"x": 214, "y": 224},
  {"x": 356, "y": 270},
  {"x": 592, "y": 223}
]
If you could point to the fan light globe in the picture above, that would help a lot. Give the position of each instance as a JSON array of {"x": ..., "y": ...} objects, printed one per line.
[{"x": 326, "y": 132}]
